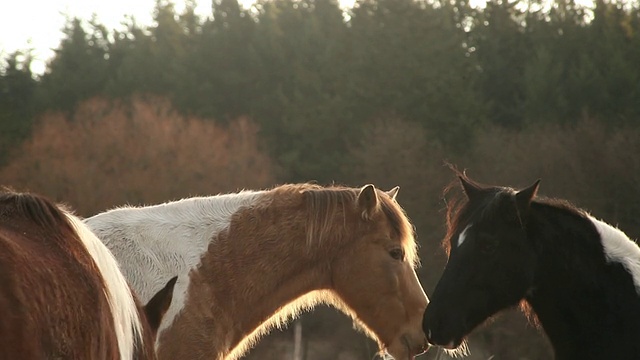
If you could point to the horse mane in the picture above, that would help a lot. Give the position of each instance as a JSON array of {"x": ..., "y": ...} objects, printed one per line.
[
  {"x": 324, "y": 202},
  {"x": 402, "y": 225},
  {"x": 37, "y": 209},
  {"x": 560, "y": 204},
  {"x": 51, "y": 217}
]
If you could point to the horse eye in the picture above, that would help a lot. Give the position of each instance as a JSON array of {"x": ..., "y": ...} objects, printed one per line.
[
  {"x": 489, "y": 248},
  {"x": 397, "y": 254},
  {"x": 489, "y": 243}
]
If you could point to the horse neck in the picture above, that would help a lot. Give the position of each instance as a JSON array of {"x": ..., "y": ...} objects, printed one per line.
[
  {"x": 267, "y": 292},
  {"x": 257, "y": 274},
  {"x": 577, "y": 292},
  {"x": 155, "y": 243}
]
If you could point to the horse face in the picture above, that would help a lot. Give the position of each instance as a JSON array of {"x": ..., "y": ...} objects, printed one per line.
[
  {"x": 374, "y": 276},
  {"x": 491, "y": 267}
]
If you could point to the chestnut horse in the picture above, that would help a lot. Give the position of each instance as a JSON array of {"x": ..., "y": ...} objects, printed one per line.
[
  {"x": 251, "y": 260},
  {"x": 62, "y": 295},
  {"x": 579, "y": 275}
]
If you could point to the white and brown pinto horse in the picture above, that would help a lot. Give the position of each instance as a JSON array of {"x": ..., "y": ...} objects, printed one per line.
[
  {"x": 62, "y": 295},
  {"x": 251, "y": 260}
]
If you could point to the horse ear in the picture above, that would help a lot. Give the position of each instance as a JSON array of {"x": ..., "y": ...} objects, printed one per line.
[
  {"x": 393, "y": 192},
  {"x": 159, "y": 304},
  {"x": 368, "y": 201},
  {"x": 471, "y": 190},
  {"x": 523, "y": 200}
]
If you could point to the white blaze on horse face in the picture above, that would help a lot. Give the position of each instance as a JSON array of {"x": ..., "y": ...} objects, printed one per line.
[
  {"x": 155, "y": 243},
  {"x": 619, "y": 248},
  {"x": 463, "y": 235}
]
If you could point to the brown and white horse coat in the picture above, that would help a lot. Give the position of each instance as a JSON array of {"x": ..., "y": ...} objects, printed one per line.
[{"x": 254, "y": 259}]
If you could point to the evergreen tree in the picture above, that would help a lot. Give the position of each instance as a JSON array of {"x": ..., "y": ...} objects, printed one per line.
[
  {"x": 79, "y": 68},
  {"x": 303, "y": 50},
  {"x": 17, "y": 89},
  {"x": 412, "y": 60},
  {"x": 221, "y": 70},
  {"x": 502, "y": 49}
]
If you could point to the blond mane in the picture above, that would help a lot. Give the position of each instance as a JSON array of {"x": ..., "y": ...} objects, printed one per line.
[{"x": 325, "y": 202}]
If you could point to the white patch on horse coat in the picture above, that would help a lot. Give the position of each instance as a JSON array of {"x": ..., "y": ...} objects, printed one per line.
[
  {"x": 463, "y": 235},
  {"x": 619, "y": 248},
  {"x": 156, "y": 243},
  {"x": 123, "y": 308}
]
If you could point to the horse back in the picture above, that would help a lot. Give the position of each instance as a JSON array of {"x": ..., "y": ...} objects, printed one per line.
[{"x": 52, "y": 296}]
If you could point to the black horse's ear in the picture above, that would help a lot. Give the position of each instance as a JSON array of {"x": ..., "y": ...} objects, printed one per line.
[
  {"x": 472, "y": 190},
  {"x": 523, "y": 200}
]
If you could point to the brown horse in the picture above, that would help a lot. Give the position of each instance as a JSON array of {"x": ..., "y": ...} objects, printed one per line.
[
  {"x": 254, "y": 259},
  {"x": 62, "y": 295}
]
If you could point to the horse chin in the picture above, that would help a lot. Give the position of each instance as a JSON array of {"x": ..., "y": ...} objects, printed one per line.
[
  {"x": 456, "y": 348},
  {"x": 400, "y": 353},
  {"x": 454, "y": 345}
]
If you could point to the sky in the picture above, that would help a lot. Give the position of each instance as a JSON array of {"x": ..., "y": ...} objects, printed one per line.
[{"x": 38, "y": 24}]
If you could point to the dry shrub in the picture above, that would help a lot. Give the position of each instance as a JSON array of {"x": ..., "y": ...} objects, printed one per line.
[{"x": 112, "y": 153}]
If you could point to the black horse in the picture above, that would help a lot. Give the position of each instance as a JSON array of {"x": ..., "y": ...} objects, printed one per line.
[{"x": 579, "y": 275}]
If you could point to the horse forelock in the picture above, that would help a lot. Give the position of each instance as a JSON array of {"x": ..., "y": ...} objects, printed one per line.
[
  {"x": 461, "y": 212},
  {"x": 126, "y": 319},
  {"x": 403, "y": 227}
]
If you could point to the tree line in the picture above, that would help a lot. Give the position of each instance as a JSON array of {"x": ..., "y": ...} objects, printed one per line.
[
  {"x": 303, "y": 90},
  {"x": 312, "y": 75}
]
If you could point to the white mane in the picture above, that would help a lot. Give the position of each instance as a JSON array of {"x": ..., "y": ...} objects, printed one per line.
[
  {"x": 167, "y": 239},
  {"x": 619, "y": 248},
  {"x": 123, "y": 308}
]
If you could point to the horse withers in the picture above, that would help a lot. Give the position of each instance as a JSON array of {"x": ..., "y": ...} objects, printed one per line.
[
  {"x": 62, "y": 295},
  {"x": 578, "y": 277},
  {"x": 252, "y": 260}
]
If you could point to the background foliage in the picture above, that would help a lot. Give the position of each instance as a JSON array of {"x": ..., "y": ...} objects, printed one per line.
[{"x": 303, "y": 90}]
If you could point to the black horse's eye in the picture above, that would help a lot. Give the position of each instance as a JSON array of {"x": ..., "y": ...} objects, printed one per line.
[
  {"x": 397, "y": 254},
  {"x": 488, "y": 243}
]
